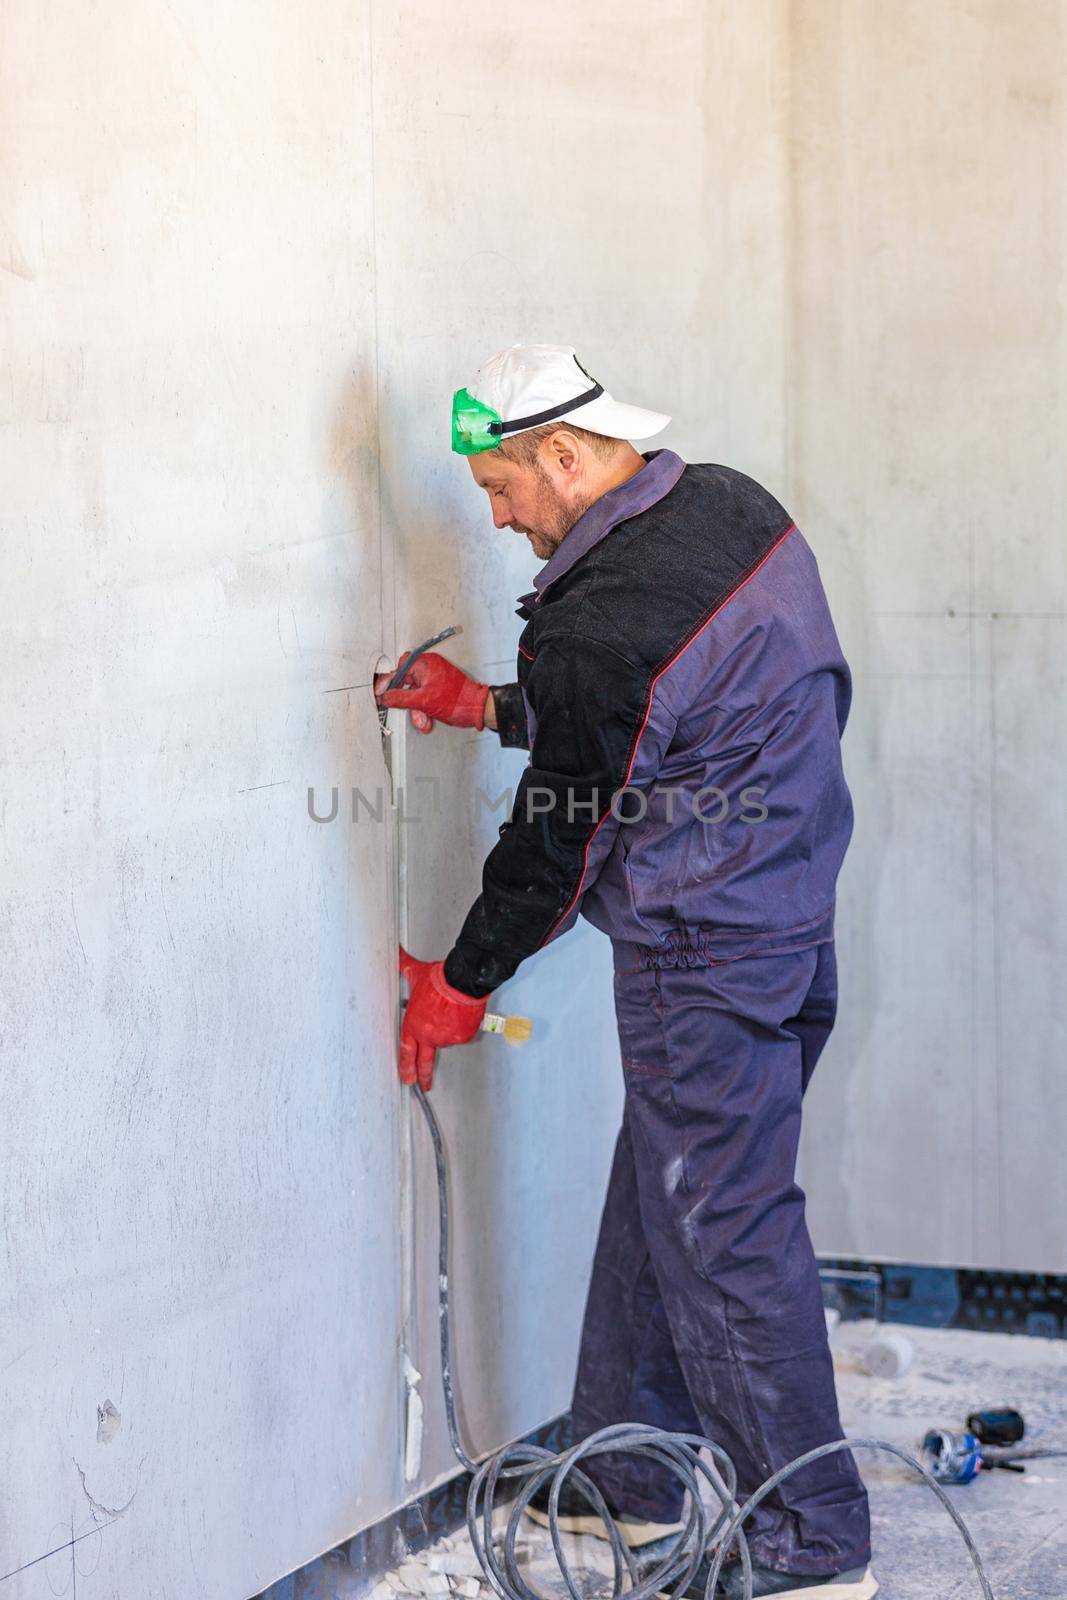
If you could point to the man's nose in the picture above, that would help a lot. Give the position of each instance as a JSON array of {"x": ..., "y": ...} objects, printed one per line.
[{"x": 501, "y": 517}]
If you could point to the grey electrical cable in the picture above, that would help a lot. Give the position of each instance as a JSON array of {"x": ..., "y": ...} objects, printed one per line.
[
  {"x": 443, "y": 1307},
  {"x": 678, "y": 1452}
]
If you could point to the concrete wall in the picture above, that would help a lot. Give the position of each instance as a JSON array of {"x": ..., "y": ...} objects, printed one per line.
[
  {"x": 248, "y": 252},
  {"x": 200, "y": 1171},
  {"x": 926, "y": 400}
]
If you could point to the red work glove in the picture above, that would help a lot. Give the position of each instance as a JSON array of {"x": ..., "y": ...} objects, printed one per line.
[
  {"x": 435, "y": 1015},
  {"x": 435, "y": 688}
]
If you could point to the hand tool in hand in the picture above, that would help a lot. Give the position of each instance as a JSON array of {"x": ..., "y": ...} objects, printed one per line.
[
  {"x": 516, "y": 1030},
  {"x": 436, "y": 691}
]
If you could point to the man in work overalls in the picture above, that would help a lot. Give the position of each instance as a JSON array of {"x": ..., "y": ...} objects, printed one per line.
[{"x": 682, "y": 693}]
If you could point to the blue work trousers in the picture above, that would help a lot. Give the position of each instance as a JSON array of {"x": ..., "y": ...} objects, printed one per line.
[{"x": 705, "y": 1312}]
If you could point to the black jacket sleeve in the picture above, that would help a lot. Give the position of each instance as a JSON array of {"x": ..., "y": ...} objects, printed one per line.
[
  {"x": 589, "y": 705},
  {"x": 510, "y": 716}
]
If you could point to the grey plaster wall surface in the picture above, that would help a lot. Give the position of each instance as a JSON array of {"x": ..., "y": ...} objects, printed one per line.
[
  {"x": 926, "y": 402},
  {"x": 248, "y": 253},
  {"x": 200, "y": 1158}
]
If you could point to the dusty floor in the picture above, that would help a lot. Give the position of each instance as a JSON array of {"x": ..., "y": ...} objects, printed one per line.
[{"x": 1019, "y": 1522}]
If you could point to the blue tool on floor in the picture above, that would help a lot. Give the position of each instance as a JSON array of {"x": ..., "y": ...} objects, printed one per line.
[
  {"x": 952, "y": 1457},
  {"x": 991, "y": 1439}
]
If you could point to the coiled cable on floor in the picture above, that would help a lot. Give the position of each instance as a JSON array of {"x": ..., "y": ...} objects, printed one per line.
[{"x": 679, "y": 1453}]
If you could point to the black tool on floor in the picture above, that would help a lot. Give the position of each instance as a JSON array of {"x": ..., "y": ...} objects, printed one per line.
[{"x": 1000, "y": 1425}]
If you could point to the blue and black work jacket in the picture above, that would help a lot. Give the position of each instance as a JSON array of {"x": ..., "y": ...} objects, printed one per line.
[{"x": 682, "y": 693}]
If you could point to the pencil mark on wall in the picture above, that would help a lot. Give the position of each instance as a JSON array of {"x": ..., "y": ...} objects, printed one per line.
[
  {"x": 955, "y": 614},
  {"x": 58, "y": 1549}
]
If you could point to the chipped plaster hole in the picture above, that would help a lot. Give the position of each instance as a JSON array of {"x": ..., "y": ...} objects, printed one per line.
[{"x": 108, "y": 1421}]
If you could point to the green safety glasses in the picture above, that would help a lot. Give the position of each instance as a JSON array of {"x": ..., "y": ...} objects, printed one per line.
[{"x": 475, "y": 427}]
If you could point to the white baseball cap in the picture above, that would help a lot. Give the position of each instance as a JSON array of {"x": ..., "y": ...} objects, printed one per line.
[{"x": 528, "y": 385}]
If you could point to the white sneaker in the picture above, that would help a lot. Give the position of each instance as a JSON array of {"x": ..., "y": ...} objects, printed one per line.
[
  {"x": 576, "y": 1515},
  {"x": 859, "y": 1584}
]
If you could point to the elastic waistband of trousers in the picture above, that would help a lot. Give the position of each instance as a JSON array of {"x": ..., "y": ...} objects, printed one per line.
[{"x": 708, "y": 947}]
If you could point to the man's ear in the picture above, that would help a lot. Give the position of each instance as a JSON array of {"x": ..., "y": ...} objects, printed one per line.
[{"x": 564, "y": 451}]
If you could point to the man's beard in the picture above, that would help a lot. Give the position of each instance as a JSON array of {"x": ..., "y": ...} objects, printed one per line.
[{"x": 555, "y": 518}]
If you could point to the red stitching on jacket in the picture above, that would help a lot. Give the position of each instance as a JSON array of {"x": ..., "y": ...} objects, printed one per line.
[{"x": 682, "y": 648}]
